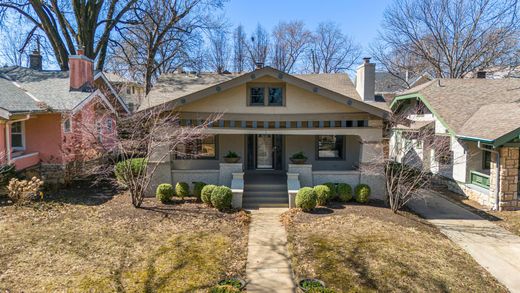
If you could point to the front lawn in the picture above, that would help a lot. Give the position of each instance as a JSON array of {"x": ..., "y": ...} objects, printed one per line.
[
  {"x": 367, "y": 248},
  {"x": 89, "y": 243}
]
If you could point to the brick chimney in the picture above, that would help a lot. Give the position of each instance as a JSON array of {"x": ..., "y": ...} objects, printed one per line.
[
  {"x": 81, "y": 71},
  {"x": 35, "y": 60},
  {"x": 366, "y": 80}
]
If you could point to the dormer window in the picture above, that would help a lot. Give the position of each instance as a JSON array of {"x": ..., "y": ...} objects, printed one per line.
[{"x": 266, "y": 95}]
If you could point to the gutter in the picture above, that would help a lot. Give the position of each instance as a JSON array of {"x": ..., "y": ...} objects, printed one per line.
[
  {"x": 497, "y": 189},
  {"x": 487, "y": 141}
]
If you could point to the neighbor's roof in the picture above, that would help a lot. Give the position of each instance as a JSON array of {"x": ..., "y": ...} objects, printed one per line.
[
  {"x": 171, "y": 87},
  {"x": 116, "y": 78},
  {"x": 476, "y": 108},
  {"x": 42, "y": 89}
]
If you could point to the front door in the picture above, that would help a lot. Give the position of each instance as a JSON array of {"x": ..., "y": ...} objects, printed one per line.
[{"x": 264, "y": 151}]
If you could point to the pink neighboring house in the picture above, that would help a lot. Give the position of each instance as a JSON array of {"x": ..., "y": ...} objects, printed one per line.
[{"x": 47, "y": 117}]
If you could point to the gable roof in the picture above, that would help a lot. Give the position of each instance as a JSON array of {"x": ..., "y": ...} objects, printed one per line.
[
  {"x": 179, "y": 89},
  {"x": 482, "y": 109},
  {"x": 39, "y": 90}
]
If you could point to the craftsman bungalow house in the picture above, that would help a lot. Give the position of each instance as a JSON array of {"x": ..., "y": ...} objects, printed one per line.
[
  {"x": 480, "y": 121},
  {"x": 46, "y": 117},
  {"x": 267, "y": 116}
]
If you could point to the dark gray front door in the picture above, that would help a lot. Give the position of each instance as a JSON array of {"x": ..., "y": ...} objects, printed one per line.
[{"x": 264, "y": 151}]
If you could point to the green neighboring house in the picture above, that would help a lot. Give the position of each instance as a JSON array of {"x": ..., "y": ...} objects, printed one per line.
[{"x": 480, "y": 121}]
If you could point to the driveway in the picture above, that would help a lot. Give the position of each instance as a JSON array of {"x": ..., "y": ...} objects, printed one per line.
[{"x": 493, "y": 247}]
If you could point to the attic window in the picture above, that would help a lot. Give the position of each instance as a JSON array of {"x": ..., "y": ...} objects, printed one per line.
[
  {"x": 266, "y": 94},
  {"x": 66, "y": 125}
]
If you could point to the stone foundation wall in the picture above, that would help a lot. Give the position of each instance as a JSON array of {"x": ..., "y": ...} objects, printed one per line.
[
  {"x": 508, "y": 178},
  {"x": 483, "y": 197}
]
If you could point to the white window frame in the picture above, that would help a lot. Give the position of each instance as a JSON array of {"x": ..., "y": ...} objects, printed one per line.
[
  {"x": 65, "y": 130},
  {"x": 22, "y": 133}
]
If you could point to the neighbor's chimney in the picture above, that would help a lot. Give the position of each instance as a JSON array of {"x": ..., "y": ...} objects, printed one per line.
[
  {"x": 81, "y": 71},
  {"x": 35, "y": 60},
  {"x": 481, "y": 74},
  {"x": 259, "y": 65},
  {"x": 366, "y": 80}
]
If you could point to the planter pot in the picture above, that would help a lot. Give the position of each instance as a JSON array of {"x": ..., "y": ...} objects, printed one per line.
[
  {"x": 232, "y": 160},
  {"x": 298, "y": 161},
  {"x": 233, "y": 280},
  {"x": 300, "y": 284}
]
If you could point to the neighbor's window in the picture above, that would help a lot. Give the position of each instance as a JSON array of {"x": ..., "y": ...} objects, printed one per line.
[
  {"x": 110, "y": 125},
  {"x": 128, "y": 91},
  {"x": 99, "y": 131},
  {"x": 486, "y": 160},
  {"x": 17, "y": 136},
  {"x": 66, "y": 125},
  {"x": 204, "y": 148},
  {"x": 257, "y": 96},
  {"x": 275, "y": 96},
  {"x": 330, "y": 147}
]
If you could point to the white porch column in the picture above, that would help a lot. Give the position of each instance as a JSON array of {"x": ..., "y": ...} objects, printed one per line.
[
  {"x": 160, "y": 160},
  {"x": 371, "y": 167}
]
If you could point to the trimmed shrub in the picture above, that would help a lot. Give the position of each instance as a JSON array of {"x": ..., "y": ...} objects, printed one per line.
[
  {"x": 333, "y": 189},
  {"x": 182, "y": 189},
  {"x": 197, "y": 189},
  {"x": 206, "y": 192},
  {"x": 131, "y": 167},
  {"x": 306, "y": 199},
  {"x": 344, "y": 192},
  {"x": 221, "y": 198},
  {"x": 323, "y": 194},
  {"x": 164, "y": 192},
  {"x": 362, "y": 193}
]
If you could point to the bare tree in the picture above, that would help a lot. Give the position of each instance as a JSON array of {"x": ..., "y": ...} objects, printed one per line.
[
  {"x": 136, "y": 152},
  {"x": 239, "y": 49},
  {"x": 258, "y": 47},
  {"x": 162, "y": 31},
  {"x": 290, "y": 39},
  {"x": 416, "y": 155},
  {"x": 219, "y": 49},
  {"x": 71, "y": 24},
  {"x": 453, "y": 37},
  {"x": 330, "y": 50}
]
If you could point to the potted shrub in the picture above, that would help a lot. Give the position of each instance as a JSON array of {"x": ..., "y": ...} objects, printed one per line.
[
  {"x": 298, "y": 158},
  {"x": 307, "y": 285},
  {"x": 231, "y": 157}
]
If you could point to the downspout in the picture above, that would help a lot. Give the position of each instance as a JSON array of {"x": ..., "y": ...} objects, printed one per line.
[
  {"x": 8, "y": 135},
  {"x": 497, "y": 191}
]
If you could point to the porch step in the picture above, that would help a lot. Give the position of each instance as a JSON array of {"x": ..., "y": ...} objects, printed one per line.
[
  {"x": 266, "y": 194},
  {"x": 265, "y": 190}
]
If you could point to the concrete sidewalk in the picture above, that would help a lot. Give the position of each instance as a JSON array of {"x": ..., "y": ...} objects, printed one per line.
[
  {"x": 268, "y": 266},
  {"x": 494, "y": 248}
]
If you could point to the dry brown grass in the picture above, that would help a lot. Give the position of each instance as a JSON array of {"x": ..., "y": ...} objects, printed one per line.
[
  {"x": 84, "y": 245},
  {"x": 361, "y": 248}
]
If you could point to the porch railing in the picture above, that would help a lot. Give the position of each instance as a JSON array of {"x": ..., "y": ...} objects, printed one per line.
[{"x": 479, "y": 179}]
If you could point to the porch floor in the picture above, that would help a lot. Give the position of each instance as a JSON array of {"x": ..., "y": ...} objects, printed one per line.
[{"x": 265, "y": 189}]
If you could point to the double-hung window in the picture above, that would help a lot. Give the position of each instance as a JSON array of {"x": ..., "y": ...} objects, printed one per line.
[
  {"x": 66, "y": 125},
  {"x": 204, "y": 148},
  {"x": 17, "y": 136},
  {"x": 330, "y": 147}
]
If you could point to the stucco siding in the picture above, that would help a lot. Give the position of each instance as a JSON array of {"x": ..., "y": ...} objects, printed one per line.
[
  {"x": 298, "y": 101},
  {"x": 43, "y": 135}
]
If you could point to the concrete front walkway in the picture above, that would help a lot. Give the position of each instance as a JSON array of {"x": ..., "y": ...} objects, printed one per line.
[
  {"x": 493, "y": 247},
  {"x": 268, "y": 265}
]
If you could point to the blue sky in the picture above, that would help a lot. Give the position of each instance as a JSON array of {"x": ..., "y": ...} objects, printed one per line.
[{"x": 358, "y": 18}]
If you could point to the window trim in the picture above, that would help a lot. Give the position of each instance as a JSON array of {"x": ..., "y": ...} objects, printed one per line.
[
  {"x": 22, "y": 133},
  {"x": 266, "y": 86},
  {"x": 343, "y": 156},
  {"x": 214, "y": 158}
]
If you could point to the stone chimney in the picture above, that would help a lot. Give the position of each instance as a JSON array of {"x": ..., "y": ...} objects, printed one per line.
[
  {"x": 35, "y": 60},
  {"x": 366, "y": 80},
  {"x": 81, "y": 71}
]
